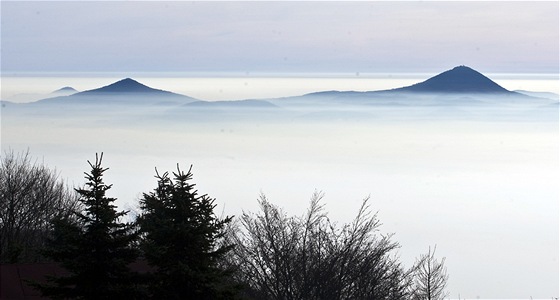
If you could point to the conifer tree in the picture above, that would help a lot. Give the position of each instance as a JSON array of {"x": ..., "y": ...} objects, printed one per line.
[
  {"x": 181, "y": 240},
  {"x": 95, "y": 247}
]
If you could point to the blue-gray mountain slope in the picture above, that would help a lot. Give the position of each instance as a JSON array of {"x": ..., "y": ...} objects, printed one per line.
[
  {"x": 124, "y": 92},
  {"x": 458, "y": 86},
  {"x": 459, "y": 80}
]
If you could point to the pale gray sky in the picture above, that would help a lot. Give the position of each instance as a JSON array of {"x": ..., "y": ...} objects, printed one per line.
[{"x": 498, "y": 37}]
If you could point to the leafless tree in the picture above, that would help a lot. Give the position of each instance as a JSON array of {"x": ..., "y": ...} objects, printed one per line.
[
  {"x": 430, "y": 277},
  {"x": 309, "y": 257},
  {"x": 30, "y": 196}
]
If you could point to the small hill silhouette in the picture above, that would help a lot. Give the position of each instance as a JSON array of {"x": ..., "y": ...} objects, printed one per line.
[
  {"x": 65, "y": 89},
  {"x": 461, "y": 79}
]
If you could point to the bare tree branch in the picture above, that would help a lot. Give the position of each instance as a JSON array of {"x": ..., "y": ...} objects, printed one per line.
[
  {"x": 30, "y": 196},
  {"x": 309, "y": 257}
]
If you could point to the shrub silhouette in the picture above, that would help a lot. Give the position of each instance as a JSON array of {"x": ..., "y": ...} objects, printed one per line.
[
  {"x": 31, "y": 195},
  {"x": 281, "y": 257}
]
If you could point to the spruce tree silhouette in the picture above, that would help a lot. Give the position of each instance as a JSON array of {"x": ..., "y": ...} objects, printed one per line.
[
  {"x": 96, "y": 249},
  {"x": 182, "y": 241}
]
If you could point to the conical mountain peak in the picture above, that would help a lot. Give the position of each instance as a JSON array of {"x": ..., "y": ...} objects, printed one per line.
[
  {"x": 127, "y": 85},
  {"x": 125, "y": 90},
  {"x": 460, "y": 79}
]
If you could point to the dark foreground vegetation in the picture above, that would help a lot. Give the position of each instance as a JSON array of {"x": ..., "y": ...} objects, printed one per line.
[{"x": 191, "y": 253}]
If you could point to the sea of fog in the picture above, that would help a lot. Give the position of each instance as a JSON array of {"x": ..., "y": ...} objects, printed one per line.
[{"x": 485, "y": 192}]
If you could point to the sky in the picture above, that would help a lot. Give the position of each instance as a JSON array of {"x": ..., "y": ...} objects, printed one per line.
[{"x": 279, "y": 37}]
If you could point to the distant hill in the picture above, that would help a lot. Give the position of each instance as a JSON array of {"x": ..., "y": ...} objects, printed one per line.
[
  {"x": 461, "y": 79},
  {"x": 460, "y": 86},
  {"x": 31, "y": 97},
  {"x": 65, "y": 90},
  {"x": 125, "y": 86},
  {"x": 546, "y": 95},
  {"x": 125, "y": 91}
]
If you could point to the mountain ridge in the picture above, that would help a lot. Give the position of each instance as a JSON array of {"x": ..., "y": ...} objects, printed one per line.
[
  {"x": 460, "y": 80},
  {"x": 460, "y": 92}
]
